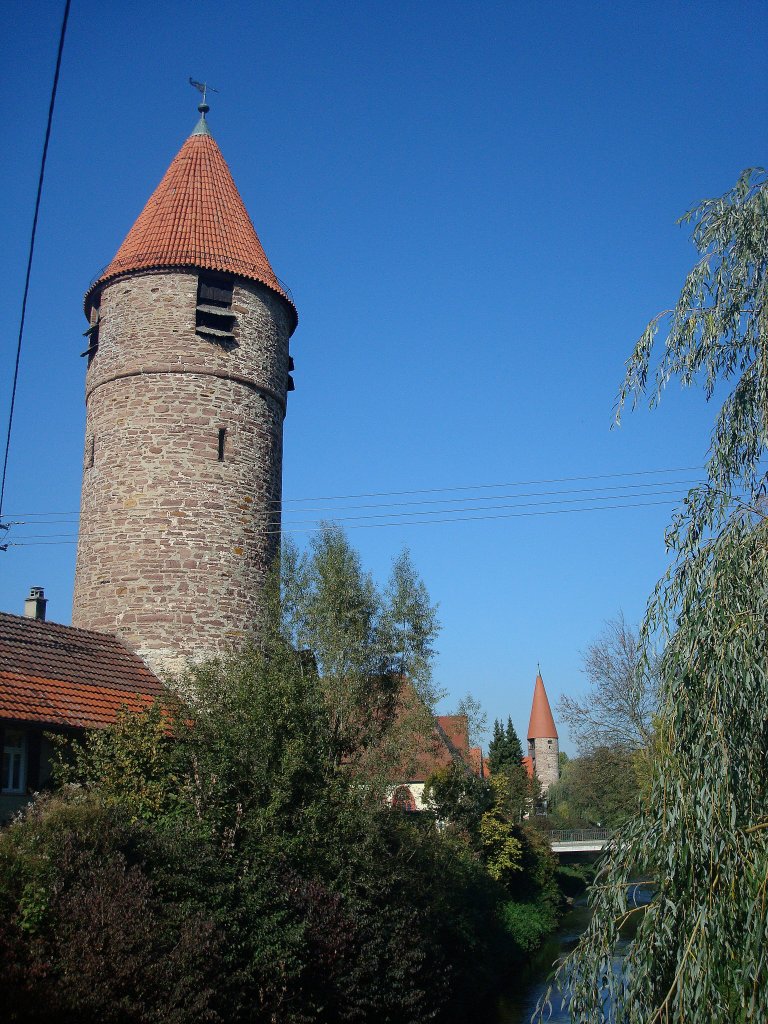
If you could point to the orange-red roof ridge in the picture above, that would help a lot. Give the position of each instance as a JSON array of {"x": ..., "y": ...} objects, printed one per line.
[
  {"x": 195, "y": 218},
  {"x": 542, "y": 724}
]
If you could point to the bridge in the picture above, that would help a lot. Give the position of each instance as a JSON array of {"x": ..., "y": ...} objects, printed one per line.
[{"x": 579, "y": 840}]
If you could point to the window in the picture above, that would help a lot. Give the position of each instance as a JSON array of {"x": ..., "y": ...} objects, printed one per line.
[
  {"x": 14, "y": 750},
  {"x": 222, "y": 442},
  {"x": 403, "y": 799},
  {"x": 214, "y": 318},
  {"x": 92, "y": 452},
  {"x": 92, "y": 334}
]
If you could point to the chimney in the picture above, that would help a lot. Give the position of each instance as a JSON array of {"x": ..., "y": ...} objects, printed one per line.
[{"x": 34, "y": 605}]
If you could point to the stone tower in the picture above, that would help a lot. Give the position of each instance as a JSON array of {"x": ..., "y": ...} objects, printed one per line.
[
  {"x": 186, "y": 387},
  {"x": 543, "y": 747}
]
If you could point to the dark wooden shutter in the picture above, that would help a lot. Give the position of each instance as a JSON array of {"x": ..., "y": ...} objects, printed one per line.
[{"x": 33, "y": 759}]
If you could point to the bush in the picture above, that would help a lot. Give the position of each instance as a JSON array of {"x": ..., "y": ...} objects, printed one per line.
[
  {"x": 527, "y": 924},
  {"x": 573, "y": 879}
]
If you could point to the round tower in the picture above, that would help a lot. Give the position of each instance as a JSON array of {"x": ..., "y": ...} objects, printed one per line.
[
  {"x": 543, "y": 745},
  {"x": 186, "y": 387}
]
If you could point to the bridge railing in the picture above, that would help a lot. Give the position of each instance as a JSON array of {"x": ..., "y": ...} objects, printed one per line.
[{"x": 579, "y": 835}]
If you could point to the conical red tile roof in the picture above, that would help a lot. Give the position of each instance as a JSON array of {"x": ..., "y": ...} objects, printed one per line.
[
  {"x": 542, "y": 724},
  {"x": 195, "y": 218}
]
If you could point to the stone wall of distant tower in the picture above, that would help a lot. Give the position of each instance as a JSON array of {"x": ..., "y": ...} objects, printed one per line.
[
  {"x": 179, "y": 522},
  {"x": 546, "y": 761}
]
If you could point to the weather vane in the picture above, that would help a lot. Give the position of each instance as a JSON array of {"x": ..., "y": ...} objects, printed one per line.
[{"x": 204, "y": 88}]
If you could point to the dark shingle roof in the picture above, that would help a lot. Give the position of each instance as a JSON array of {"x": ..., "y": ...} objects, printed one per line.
[{"x": 59, "y": 675}]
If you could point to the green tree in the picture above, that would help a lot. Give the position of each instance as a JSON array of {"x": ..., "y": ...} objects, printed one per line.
[
  {"x": 458, "y": 798},
  {"x": 477, "y": 719},
  {"x": 372, "y": 650},
  {"x": 504, "y": 750},
  {"x": 598, "y": 788},
  {"x": 501, "y": 849},
  {"x": 702, "y": 835},
  {"x": 227, "y": 856},
  {"x": 505, "y": 755}
]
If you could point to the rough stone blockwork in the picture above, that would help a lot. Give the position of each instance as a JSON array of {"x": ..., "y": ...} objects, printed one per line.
[{"x": 174, "y": 543}]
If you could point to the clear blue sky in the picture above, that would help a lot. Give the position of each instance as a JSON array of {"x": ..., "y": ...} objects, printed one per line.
[{"x": 474, "y": 204}]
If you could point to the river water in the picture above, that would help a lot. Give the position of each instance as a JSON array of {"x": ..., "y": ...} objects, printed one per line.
[{"x": 532, "y": 982}]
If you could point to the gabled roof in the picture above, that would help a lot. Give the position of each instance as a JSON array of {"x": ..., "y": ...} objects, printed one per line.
[
  {"x": 448, "y": 742},
  {"x": 542, "y": 724},
  {"x": 478, "y": 763},
  {"x": 195, "y": 218},
  {"x": 61, "y": 676}
]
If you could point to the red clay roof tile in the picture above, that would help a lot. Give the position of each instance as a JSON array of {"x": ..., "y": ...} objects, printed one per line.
[
  {"x": 59, "y": 675},
  {"x": 542, "y": 724},
  {"x": 195, "y": 217}
]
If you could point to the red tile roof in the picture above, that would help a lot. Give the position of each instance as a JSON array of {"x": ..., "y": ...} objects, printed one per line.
[
  {"x": 478, "y": 763},
  {"x": 542, "y": 724},
  {"x": 456, "y": 728},
  {"x": 448, "y": 742},
  {"x": 195, "y": 217},
  {"x": 527, "y": 763},
  {"x": 59, "y": 675}
]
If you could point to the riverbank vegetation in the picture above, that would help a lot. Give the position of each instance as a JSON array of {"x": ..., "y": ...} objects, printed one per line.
[{"x": 230, "y": 854}]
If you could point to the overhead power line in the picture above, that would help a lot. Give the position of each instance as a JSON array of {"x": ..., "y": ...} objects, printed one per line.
[
  {"x": 286, "y": 504},
  {"x": 419, "y": 522},
  {"x": 410, "y": 513},
  {"x": 41, "y": 175},
  {"x": 564, "y": 497},
  {"x": 508, "y": 483}
]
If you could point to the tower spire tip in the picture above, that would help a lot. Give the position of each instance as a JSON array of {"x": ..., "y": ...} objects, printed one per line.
[{"x": 201, "y": 128}]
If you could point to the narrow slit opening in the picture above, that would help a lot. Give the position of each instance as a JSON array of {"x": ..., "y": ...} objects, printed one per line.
[{"x": 222, "y": 441}]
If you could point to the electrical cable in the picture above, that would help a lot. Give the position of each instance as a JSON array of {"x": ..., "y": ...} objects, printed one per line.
[
  {"x": 32, "y": 247},
  {"x": 422, "y": 522},
  {"x": 561, "y": 497},
  {"x": 438, "y": 490},
  {"x": 287, "y": 523}
]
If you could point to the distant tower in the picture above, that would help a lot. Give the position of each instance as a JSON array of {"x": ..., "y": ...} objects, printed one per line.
[
  {"x": 186, "y": 387},
  {"x": 543, "y": 747}
]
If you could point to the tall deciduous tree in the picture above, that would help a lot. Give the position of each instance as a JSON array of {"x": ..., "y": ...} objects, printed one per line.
[
  {"x": 701, "y": 945},
  {"x": 618, "y": 708},
  {"x": 366, "y": 644}
]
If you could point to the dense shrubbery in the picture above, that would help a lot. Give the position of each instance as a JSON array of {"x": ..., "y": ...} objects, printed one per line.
[
  {"x": 245, "y": 881},
  {"x": 230, "y": 856},
  {"x": 482, "y": 815}
]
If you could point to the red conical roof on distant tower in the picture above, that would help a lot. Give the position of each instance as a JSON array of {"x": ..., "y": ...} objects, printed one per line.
[
  {"x": 195, "y": 218},
  {"x": 542, "y": 724}
]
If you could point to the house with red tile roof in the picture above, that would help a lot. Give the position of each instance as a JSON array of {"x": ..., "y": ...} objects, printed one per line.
[
  {"x": 58, "y": 679},
  {"x": 447, "y": 744}
]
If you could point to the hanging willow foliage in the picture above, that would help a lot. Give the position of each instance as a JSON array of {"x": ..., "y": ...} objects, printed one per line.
[{"x": 700, "y": 951}]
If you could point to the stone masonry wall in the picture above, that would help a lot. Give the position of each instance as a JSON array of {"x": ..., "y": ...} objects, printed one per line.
[
  {"x": 546, "y": 762},
  {"x": 174, "y": 544}
]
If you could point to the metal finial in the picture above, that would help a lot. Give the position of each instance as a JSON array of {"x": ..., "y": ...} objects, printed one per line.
[{"x": 202, "y": 87}]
